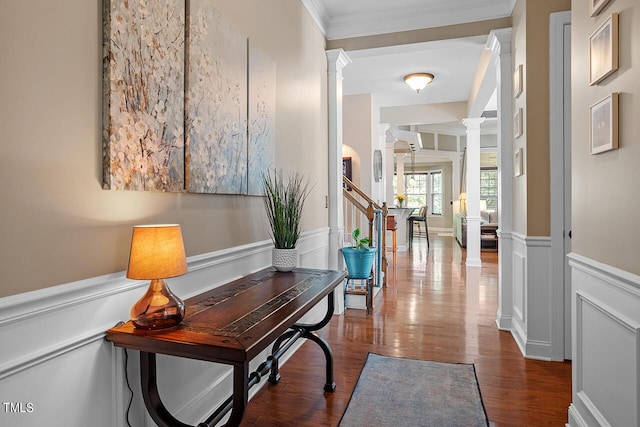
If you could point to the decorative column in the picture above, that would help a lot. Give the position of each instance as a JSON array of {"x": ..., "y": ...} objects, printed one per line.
[
  {"x": 473, "y": 190},
  {"x": 400, "y": 173},
  {"x": 457, "y": 179},
  {"x": 389, "y": 160},
  {"x": 499, "y": 42},
  {"x": 337, "y": 59}
]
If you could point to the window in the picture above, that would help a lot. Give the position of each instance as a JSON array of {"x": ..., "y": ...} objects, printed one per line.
[
  {"x": 489, "y": 187},
  {"x": 423, "y": 189},
  {"x": 435, "y": 192},
  {"x": 415, "y": 185}
]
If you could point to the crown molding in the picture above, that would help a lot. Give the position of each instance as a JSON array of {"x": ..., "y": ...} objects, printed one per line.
[
  {"x": 319, "y": 13},
  {"x": 394, "y": 19}
]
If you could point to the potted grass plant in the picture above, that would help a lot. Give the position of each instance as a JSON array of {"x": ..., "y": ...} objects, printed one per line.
[
  {"x": 284, "y": 201},
  {"x": 359, "y": 257}
]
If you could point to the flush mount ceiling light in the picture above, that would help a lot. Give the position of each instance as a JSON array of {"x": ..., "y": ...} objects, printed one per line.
[{"x": 418, "y": 81}]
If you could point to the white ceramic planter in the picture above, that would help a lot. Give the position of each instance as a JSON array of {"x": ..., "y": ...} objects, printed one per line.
[{"x": 284, "y": 259}]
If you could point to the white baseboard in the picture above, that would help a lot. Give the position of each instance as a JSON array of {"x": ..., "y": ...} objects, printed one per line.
[{"x": 55, "y": 356}]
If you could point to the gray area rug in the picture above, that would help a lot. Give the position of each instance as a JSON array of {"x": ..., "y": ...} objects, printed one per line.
[{"x": 400, "y": 392}]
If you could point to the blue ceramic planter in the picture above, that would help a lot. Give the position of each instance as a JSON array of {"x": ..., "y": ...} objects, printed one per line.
[{"x": 359, "y": 261}]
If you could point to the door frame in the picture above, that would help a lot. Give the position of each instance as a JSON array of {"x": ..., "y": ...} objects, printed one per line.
[{"x": 560, "y": 167}]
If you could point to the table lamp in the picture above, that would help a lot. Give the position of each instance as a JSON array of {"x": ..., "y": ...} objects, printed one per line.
[
  {"x": 157, "y": 253},
  {"x": 463, "y": 202}
]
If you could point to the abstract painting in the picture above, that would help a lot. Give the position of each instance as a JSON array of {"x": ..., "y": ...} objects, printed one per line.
[
  {"x": 143, "y": 112},
  {"x": 216, "y": 108},
  {"x": 262, "y": 110},
  {"x": 187, "y": 106}
]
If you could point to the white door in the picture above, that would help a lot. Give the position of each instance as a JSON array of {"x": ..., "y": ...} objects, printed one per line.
[
  {"x": 567, "y": 189},
  {"x": 560, "y": 157}
]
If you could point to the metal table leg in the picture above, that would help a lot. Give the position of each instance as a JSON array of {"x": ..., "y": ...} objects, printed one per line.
[{"x": 242, "y": 381}]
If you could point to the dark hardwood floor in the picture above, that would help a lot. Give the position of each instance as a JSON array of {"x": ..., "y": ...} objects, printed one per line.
[{"x": 432, "y": 309}]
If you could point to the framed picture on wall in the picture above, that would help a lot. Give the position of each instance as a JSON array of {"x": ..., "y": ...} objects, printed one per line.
[
  {"x": 377, "y": 165},
  {"x": 517, "y": 124},
  {"x": 603, "y": 125},
  {"x": 347, "y": 171},
  {"x": 518, "y": 163},
  {"x": 597, "y": 5},
  {"x": 603, "y": 50},
  {"x": 517, "y": 81}
]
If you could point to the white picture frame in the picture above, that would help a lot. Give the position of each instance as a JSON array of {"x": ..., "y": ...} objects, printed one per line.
[
  {"x": 517, "y": 81},
  {"x": 518, "y": 162},
  {"x": 595, "y": 6},
  {"x": 603, "y": 50},
  {"x": 603, "y": 125},
  {"x": 517, "y": 124}
]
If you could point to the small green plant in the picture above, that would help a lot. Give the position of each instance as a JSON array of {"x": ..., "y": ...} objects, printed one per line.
[
  {"x": 285, "y": 197},
  {"x": 358, "y": 243}
]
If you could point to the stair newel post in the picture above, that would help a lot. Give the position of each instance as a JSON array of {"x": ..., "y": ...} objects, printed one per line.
[
  {"x": 385, "y": 211},
  {"x": 370, "y": 216}
]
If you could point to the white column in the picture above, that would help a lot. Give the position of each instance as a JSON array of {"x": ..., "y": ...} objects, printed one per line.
[
  {"x": 386, "y": 162},
  {"x": 457, "y": 179},
  {"x": 400, "y": 173},
  {"x": 389, "y": 158},
  {"x": 473, "y": 191},
  {"x": 336, "y": 61},
  {"x": 499, "y": 42}
]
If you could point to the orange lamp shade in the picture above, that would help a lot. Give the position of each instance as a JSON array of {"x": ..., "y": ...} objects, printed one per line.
[{"x": 157, "y": 252}]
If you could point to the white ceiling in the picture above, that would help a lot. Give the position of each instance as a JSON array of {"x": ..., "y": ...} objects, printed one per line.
[{"x": 380, "y": 71}]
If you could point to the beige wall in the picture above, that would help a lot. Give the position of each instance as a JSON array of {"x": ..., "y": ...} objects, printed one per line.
[
  {"x": 424, "y": 113},
  {"x": 605, "y": 202},
  {"x": 357, "y": 134},
  {"x": 58, "y": 225},
  {"x": 519, "y": 50},
  {"x": 530, "y": 47}
]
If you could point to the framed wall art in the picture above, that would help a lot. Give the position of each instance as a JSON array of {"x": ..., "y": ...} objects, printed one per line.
[
  {"x": 603, "y": 125},
  {"x": 143, "y": 102},
  {"x": 377, "y": 165},
  {"x": 603, "y": 50},
  {"x": 517, "y": 81},
  {"x": 596, "y": 6},
  {"x": 188, "y": 105},
  {"x": 347, "y": 171},
  {"x": 216, "y": 116},
  {"x": 517, "y": 124},
  {"x": 518, "y": 163}
]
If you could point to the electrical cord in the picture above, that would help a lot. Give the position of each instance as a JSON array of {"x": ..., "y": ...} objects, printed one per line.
[{"x": 126, "y": 377}]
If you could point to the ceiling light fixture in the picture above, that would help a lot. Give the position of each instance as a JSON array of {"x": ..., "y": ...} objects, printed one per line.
[{"x": 418, "y": 81}]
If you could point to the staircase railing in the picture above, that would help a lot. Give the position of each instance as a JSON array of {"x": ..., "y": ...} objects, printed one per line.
[{"x": 360, "y": 208}]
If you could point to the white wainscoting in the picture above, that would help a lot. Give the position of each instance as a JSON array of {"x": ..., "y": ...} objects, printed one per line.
[
  {"x": 532, "y": 290},
  {"x": 57, "y": 369},
  {"x": 606, "y": 345}
]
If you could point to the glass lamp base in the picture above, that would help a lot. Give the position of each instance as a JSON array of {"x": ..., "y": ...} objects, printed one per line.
[{"x": 158, "y": 308}]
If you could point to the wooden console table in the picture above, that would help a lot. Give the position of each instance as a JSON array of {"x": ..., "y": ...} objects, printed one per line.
[{"x": 232, "y": 324}]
